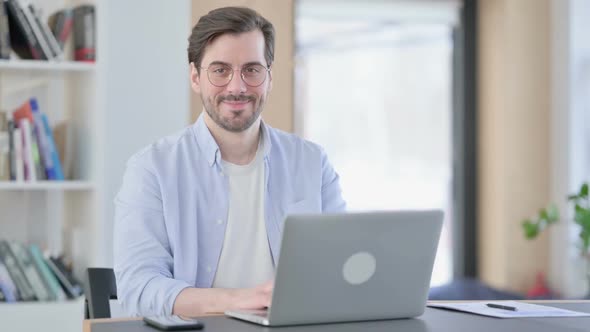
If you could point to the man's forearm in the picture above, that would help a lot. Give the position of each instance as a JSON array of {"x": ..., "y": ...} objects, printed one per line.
[
  {"x": 193, "y": 302},
  {"x": 198, "y": 301}
]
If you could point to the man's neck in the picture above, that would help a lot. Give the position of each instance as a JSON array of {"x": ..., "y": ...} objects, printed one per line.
[{"x": 236, "y": 148}]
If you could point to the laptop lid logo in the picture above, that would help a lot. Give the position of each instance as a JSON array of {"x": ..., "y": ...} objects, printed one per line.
[{"x": 359, "y": 268}]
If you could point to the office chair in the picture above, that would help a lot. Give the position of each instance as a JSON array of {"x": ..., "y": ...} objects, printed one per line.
[{"x": 101, "y": 287}]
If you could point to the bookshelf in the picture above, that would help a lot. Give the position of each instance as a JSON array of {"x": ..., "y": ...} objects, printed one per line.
[
  {"x": 58, "y": 216},
  {"x": 136, "y": 92},
  {"x": 42, "y": 65},
  {"x": 46, "y": 212},
  {"x": 47, "y": 185}
]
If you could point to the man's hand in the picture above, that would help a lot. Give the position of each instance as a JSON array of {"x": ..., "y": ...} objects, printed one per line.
[
  {"x": 252, "y": 298},
  {"x": 198, "y": 301}
]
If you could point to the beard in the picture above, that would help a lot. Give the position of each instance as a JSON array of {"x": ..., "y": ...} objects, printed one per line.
[{"x": 240, "y": 121}]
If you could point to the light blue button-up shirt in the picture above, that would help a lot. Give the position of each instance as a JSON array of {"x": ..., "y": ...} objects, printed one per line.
[{"x": 172, "y": 209}]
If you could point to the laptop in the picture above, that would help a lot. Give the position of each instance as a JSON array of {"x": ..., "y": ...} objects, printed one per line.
[{"x": 351, "y": 267}]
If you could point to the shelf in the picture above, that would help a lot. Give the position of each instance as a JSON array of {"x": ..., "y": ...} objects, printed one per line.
[
  {"x": 46, "y": 185},
  {"x": 72, "y": 303},
  {"x": 43, "y": 65},
  {"x": 43, "y": 316}
]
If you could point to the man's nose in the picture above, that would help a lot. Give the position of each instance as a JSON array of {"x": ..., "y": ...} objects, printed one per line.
[{"x": 236, "y": 84}]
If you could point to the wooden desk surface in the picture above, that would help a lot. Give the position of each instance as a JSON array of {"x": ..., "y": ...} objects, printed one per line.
[{"x": 88, "y": 323}]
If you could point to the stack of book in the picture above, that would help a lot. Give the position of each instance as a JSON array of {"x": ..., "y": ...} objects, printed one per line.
[
  {"x": 27, "y": 146},
  {"x": 26, "y": 274},
  {"x": 23, "y": 30}
]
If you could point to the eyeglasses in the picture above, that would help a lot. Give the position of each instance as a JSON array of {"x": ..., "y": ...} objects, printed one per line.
[{"x": 221, "y": 74}]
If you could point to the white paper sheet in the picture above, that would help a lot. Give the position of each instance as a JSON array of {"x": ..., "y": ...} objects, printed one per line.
[{"x": 523, "y": 309}]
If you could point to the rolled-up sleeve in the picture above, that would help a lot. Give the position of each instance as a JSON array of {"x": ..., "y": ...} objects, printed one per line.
[
  {"x": 143, "y": 262},
  {"x": 332, "y": 200}
]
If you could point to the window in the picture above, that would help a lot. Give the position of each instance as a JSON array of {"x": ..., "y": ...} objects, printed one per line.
[{"x": 375, "y": 90}]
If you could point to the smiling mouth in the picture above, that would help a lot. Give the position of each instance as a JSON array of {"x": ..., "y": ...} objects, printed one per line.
[
  {"x": 234, "y": 105},
  {"x": 244, "y": 102}
]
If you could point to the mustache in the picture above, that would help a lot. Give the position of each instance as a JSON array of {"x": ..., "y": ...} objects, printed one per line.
[{"x": 219, "y": 99}]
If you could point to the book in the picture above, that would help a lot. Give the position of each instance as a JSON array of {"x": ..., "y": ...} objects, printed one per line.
[
  {"x": 28, "y": 159},
  {"x": 18, "y": 155},
  {"x": 3, "y": 121},
  {"x": 46, "y": 32},
  {"x": 12, "y": 150},
  {"x": 61, "y": 23},
  {"x": 22, "y": 38},
  {"x": 70, "y": 284},
  {"x": 44, "y": 155},
  {"x": 4, "y": 156},
  {"x": 42, "y": 141},
  {"x": 7, "y": 285},
  {"x": 39, "y": 168},
  {"x": 4, "y": 33},
  {"x": 4, "y": 148},
  {"x": 36, "y": 28},
  {"x": 25, "y": 112},
  {"x": 84, "y": 33},
  {"x": 59, "y": 175},
  {"x": 50, "y": 279},
  {"x": 24, "y": 260},
  {"x": 23, "y": 286}
]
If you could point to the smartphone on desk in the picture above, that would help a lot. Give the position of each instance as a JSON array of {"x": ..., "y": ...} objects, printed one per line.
[{"x": 173, "y": 323}]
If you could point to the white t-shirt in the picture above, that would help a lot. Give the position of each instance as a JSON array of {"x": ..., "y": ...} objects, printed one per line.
[{"x": 245, "y": 259}]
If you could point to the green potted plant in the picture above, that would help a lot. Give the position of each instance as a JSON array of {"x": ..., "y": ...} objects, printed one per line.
[{"x": 550, "y": 215}]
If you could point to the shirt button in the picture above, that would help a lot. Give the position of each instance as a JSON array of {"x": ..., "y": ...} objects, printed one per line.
[
  {"x": 219, "y": 221},
  {"x": 209, "y": 269}
]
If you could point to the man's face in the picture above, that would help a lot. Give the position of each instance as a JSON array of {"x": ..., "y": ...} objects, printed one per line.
[{"x": 237, "y": 105}]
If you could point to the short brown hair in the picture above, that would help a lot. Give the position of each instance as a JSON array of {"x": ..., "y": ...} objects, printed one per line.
[{"x": 232, "y": 20}]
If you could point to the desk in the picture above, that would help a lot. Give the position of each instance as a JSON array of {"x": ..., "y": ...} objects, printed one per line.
[{"x": 433, "y": 320}]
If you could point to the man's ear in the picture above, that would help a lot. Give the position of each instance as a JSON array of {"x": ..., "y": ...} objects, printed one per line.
[
  {"x": 195, "y": 79},
  {"x": 270, "y": 79}
]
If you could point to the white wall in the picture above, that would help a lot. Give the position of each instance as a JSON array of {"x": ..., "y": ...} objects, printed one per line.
[{"x": 144, "y": 81}]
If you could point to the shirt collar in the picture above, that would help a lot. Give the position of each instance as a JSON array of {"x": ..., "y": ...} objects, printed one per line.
[{"x": 209, "y": 147}]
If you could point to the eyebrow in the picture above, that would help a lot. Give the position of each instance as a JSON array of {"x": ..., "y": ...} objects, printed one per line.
[
  {"x": 229, "y": 64},
  {"x": 253, "y": 63}
]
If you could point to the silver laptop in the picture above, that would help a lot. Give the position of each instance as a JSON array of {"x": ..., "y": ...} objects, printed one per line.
[{"x": 352, "y": 267}]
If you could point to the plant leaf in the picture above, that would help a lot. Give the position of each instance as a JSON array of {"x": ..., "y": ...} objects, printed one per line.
[
  {"x": 573, "y": 198},
  {"x": 531, "y": 230},
  {"x": 584, "y": 191},
  {"x": 585, "y": 236},
  {"x": 582, "y": 218},
  {"x": 543, "y": 214}
]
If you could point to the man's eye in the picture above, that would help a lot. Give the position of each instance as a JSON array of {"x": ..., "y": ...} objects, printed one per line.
[
  {"x": 219, "y": 70},
  {"x": 252, "y": 70}
]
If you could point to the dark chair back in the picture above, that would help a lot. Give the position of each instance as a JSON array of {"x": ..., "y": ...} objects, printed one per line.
[{"x": 101, "y": 287}]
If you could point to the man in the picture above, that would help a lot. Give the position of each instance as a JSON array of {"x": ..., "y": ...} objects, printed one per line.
[{"x": 199, "y": 215}]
